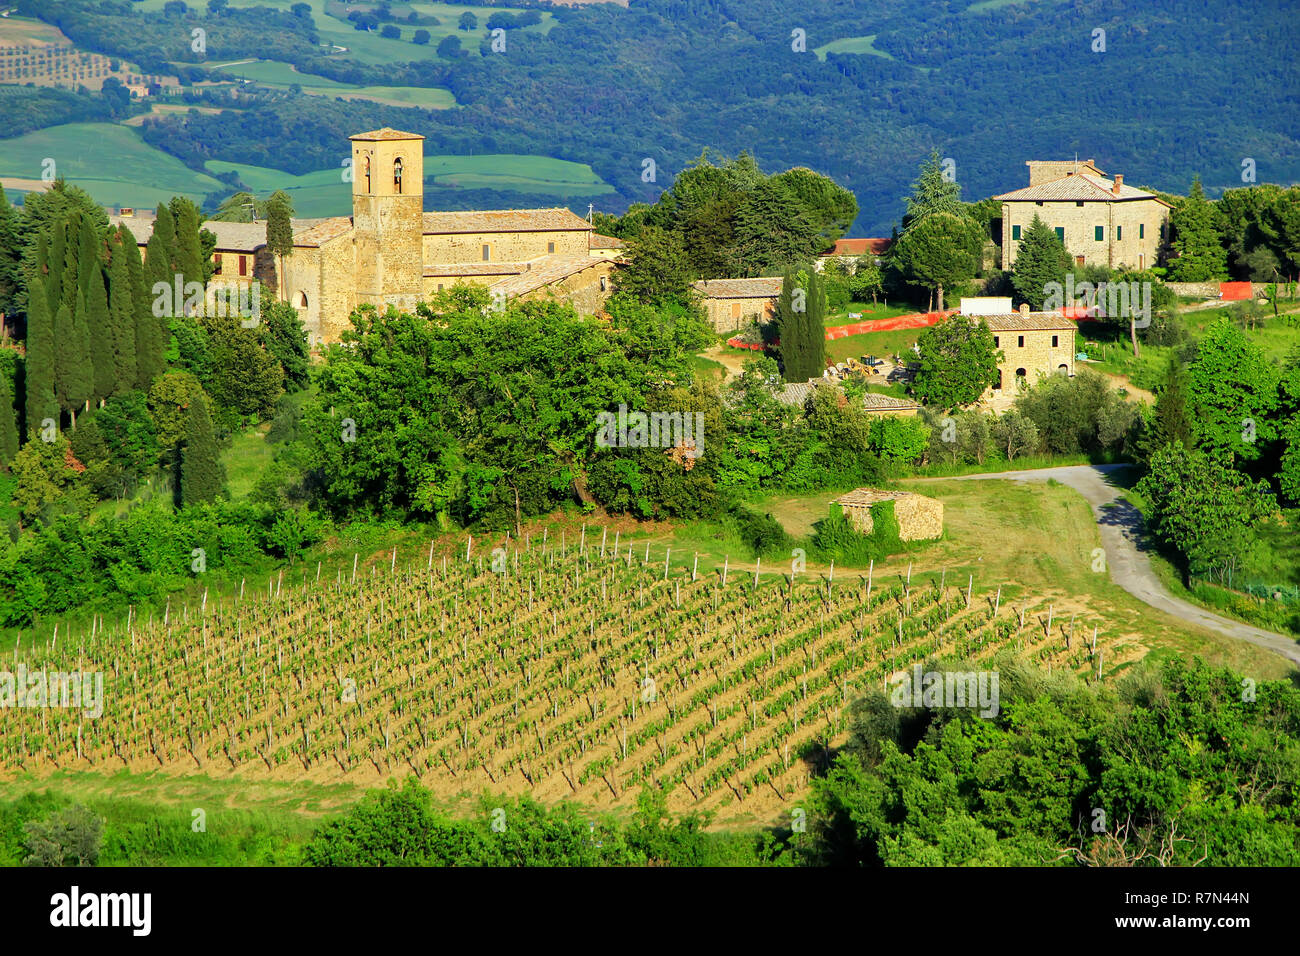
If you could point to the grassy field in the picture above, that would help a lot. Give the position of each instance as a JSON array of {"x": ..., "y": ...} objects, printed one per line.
[
  {"x": 508, "y": 171},
  {"x": 283, "y": 75},
  {"x": 1275, "y": 335},
  {"x": 374, "y": 49},
  {"x": 880, "y": 344},
  {"x": 23, "y": 31},
  {"x": 109, "y": 161},
  {"x": 324, "y": 193},
  {"x": 315, "y": 195},
  {"x": 862, "y": 45}
]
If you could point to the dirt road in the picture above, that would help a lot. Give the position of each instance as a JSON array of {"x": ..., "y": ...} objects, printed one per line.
[{"x": 1120, "y": 525}]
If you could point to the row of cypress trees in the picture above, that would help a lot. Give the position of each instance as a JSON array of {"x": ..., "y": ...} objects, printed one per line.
[{"x": 92, "y": 331}]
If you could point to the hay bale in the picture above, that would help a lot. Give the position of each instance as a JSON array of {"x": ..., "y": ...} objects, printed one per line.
[{"x": 919, "y": 518}]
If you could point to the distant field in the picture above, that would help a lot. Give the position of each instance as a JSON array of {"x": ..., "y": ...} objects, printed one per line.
[
  {"x": 314, "y": 195},
  {"x": 22, "y": 31},
  {"x": 375, "y": 49},
  {"x": 539, "y": 174},
  {"x": 111, "y": 162},
  {"x": 324, "y": 193},
  {"x": 279, "y": 74},
  {"x": 864, "y": 45}
]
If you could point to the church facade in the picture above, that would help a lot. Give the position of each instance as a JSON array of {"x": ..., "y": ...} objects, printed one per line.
[{"x": 391, "y": 252}]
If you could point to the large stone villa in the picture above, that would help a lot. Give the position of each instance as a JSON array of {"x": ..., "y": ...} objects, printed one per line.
[
  {"x": 1100, "y": 220},
  {"x": 390, "y": 251}
]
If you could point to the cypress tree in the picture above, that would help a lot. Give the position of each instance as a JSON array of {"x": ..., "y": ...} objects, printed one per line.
[
  {"x": 64, "y": 374},
  {"x": 100, "y": 336},
  {"x": 54, "y": 266},
  {"x": 70, "y": 283},
  {"x": 149, "y": 342},
  {"x": 815, "y": 324},
  {"x": 200, "y": 466},
  {"x": 802, "y": 310},
  {"x": 189, "y": 254},
  {"x": 121, "y": 318},
  {"x": 160, "y": 255},
  {"x": 8, "y": 420},
  {"x": 89, "y": 258},
  {"x": 279, "y": 232},
  {"x": 11, "y": 253},
  {"x": 40, "y": 400},
  {"x": 77, "y": 382}
]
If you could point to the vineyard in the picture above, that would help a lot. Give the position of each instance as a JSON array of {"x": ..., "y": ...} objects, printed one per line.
[{"x": 566, "y": 669}]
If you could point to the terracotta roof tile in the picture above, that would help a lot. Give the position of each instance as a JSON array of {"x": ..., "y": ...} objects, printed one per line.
[{"x": 858, "y": 247}]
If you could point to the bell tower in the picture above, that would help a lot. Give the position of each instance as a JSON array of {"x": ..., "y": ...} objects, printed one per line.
[{"x": 388, "y": 217}]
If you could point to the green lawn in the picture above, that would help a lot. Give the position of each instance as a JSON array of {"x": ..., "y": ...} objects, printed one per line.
[
  {"x": 109, "y": 161},
  {"x": 247, "y": 457},
  {"x": 879, "y": 344}
]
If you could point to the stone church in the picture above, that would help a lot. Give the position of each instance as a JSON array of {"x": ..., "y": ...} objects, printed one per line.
[{"x": 390, "y": 251}]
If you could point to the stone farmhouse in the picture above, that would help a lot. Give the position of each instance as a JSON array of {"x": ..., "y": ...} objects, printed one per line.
[
  {"x": 1100, "y": 220},
  {"x": 732, "y": 304},
  {"x": 1033, "y": 344},
  {"x": 391, "y": 252}
]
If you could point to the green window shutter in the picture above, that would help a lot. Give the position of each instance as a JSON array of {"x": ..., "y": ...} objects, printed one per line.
[
  {"x": 1015, "y": 232},
  {"x": 1142, "y": 230},
  {"x": 1060, "y": 233},
  {"x": 1119, "y": 232},
  {"x": 1099, "y": 233}
]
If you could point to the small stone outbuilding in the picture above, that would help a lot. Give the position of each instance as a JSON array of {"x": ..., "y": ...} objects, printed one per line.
[{"x": 919, "y": 518}]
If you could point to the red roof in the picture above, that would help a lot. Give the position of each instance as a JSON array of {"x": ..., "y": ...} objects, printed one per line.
[{"x": 858, "y": 247}]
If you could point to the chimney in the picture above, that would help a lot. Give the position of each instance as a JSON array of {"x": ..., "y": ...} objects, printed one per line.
[
  {"x": 1024, "y": 308},
  {"x": 1119, "y": 181}
]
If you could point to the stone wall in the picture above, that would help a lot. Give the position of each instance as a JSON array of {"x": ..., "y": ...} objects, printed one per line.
[
  {"x": 1135, "y": 245},
  {"x": 1038, "y": 356},
  {"x": 1210, "y": 290},
  {"x": 919, "y": 518},
  {"x": 503, "y": 246},
  {"x": 728, "y": 315}
]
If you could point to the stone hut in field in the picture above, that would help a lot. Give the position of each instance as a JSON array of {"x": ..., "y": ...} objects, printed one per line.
[{"x": 919, "y": 518}]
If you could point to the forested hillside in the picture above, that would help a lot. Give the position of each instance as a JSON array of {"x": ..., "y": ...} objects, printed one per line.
[{"x": 873, "y": 88}]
